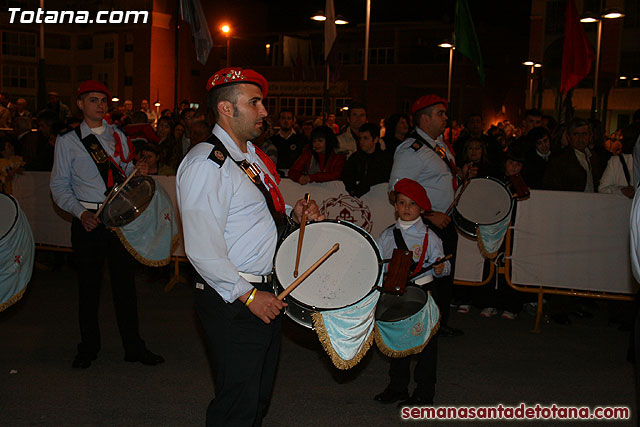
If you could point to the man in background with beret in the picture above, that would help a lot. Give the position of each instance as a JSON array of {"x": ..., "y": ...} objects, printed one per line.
[
  {"x": 88, "y": 161},
  {"x": 425, "y": 157},
  {"x": 233, "y": 215}
]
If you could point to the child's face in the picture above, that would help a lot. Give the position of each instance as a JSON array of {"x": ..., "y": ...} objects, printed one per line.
[
  {"x": 406, "y": 208},
  {"x": 367, "y": 143}
]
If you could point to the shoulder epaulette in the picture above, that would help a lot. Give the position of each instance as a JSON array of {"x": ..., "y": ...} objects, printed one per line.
[{"x": 219, "y": 152}]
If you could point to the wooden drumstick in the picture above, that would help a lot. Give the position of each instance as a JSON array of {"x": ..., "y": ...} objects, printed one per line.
[
  {"x": 303, "y": 222},
  {"x": 310, "y": 270},
  {"x": 457, "y": 199},
  {"x": 110, "y": 196}
]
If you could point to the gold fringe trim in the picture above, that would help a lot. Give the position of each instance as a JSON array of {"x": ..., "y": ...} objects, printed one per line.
[
  {"x": 140, "y": 258},
  {"x": 14, "y": 299},
  {"x": 382, "y": 346},
  {"x": 483, "y": 250},
  {"x": 338, "y": 361}
]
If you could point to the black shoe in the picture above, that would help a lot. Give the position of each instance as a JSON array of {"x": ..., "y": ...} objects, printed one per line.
[
  {"x": 446, "y": 331},
  {"x": 83, "y": 360},
  {"x": 390, "y": 396},
  {"x": 146, "y": 358},
  {"x": 416, "y": 400}
]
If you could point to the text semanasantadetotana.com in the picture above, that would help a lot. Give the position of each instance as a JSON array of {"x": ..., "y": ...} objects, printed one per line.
[{"x": 521, "y": 412}]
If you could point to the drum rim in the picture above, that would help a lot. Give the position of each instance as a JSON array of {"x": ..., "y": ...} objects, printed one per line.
[
  {"x": 15, "y": 219},
  {"x": 414, "y": 287},
  {"x": 511, "y": 203},
  {"x": 367, "y": 237},
  {"x": 146, "y": 178}
]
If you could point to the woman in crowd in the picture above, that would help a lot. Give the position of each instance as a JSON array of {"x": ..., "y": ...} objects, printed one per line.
[
  {"x": 170, "y": 152},
  {"x": 319, "y": 163},
  {"x": 475, "y": 151},
  {"x": 396, "y": 130}
]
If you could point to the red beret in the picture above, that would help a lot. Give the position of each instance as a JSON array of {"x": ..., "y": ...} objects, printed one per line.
[
  {"x": 238, "y": 75},
  {"x": 428, "y": 101},
  {"x": 414, "y": 191},
  {"x": 93, "y": 86}
]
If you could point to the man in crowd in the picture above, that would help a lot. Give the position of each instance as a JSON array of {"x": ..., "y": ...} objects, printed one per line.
[
  {"x": 576, "y": 167},
  {"x": 232, "y": 213},
  {"x": 424, "y": 157},
  {"x": 151, "y": 113},
  {"x": 55, "y": 105},
  {"x": 537, "y": 156},
  {"x": 88, "y": 162},
  {"x": 348, "y": 140},
  {"x": 21, "y": 109},
  {"x": 288, "y": 143},
  {"x": 369, "y": 165},
  {"x": 532, "y": 119}
]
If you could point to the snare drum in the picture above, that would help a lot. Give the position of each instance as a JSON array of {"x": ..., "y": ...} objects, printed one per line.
[
  {"x": 346, "y": 278},
  {"x": 143, "y": 217},
  {"x": 485, "y": 201},
  {"x": 17, "y": 250},
  {"x": 405, "y": 323},
  {"x": 129, "y": 201}
]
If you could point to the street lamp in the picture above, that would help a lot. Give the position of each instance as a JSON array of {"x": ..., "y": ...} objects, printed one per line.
[
  {"x": 590, "y": 18},
  {"x": 533, "y": 65},
  {"x": 321, "y": 17},
  {"x": 226, "y": 29},
  {"x": 451, "y": 47}
]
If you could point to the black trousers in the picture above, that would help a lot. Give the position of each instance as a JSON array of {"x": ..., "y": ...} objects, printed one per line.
[
  {"x": 244, "y": 352},
  {"x": 424, "y": 373},
  {"x": 443, "y": 289},
  {"x": 90, "y": 249}
]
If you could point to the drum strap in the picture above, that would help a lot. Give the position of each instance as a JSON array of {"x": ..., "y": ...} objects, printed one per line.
[
  {"x": 401, "y": 244},
  {"x": 110, "y": 172},
  {"x": 441, "y": 152},
  {"x": 220, "y": 153},
  {"x": 625, "y": 169}
]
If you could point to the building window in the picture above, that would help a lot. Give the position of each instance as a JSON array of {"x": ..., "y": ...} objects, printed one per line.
[
  {"x": 554, "y": 17},
  {"x": 270, "y": 104},
  {"x": 381, "y": 55},
  {"x": 19, "y": 76},
  {"x": 287, "y": 104},
  {"x": 57, "y": 41},
  {"x": 85, "y": 72},
  {"x": 85, "y": 42},
  {"x": 58, "y": 73},
  {"x": 19, "y": 44},
  {"x": 104, "y": 78},
  {"x": 128, "y": 47},
  {"x": 128, "y": 80},
  {"x": 108, "y": 49}
]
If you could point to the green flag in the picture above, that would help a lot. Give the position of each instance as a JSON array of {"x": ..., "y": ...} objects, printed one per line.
[{"x": 465, "y": 39}]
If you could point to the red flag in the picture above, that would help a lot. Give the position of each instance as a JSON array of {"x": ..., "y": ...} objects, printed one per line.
[{"x": 577, "y": 54}]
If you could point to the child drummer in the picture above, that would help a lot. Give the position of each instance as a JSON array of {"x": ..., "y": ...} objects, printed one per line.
[{"x": 409, "y": 231}]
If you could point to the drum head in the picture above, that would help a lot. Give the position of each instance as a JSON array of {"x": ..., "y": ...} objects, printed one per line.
[
  {"x": 129, "y": 202},
  {"x": 8, "y": 214},
  {"x": 344, "y": 278},
  {"x": 393, "y": 308},
  {"x": 485, "y": 201}
]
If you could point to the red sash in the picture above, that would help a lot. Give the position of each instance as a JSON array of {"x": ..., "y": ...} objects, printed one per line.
[{"x": 278, "y": 200}]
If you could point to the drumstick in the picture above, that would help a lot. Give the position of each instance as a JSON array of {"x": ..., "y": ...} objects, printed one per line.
[
  {"x": 457, "y": 199},
  {"x": 303, "y": 222},
  {"x": 430, "y": 266},
  {"x": 109, "y": 196},
  {"x": 311, "y": 269}
]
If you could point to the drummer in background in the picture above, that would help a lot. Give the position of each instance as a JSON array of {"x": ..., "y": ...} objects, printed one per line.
[
  {"x": 425, "y": 157},
  {"x": 409, "y": 231},
  {"x": 88, "y": 162},
  {"x": 231, "y": 227}
]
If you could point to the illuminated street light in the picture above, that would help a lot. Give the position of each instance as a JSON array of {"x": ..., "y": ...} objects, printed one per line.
[
  {"x": 589, "y": 17},
  {"x": 226, "y": 29},
  {"x": 533, "y": 65},
  {"x": 446, "y": 45},
  {"x": 623, "y": 77},
  {"x": 321, "y": 17},
  {"x": 115, "y": 99}
]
